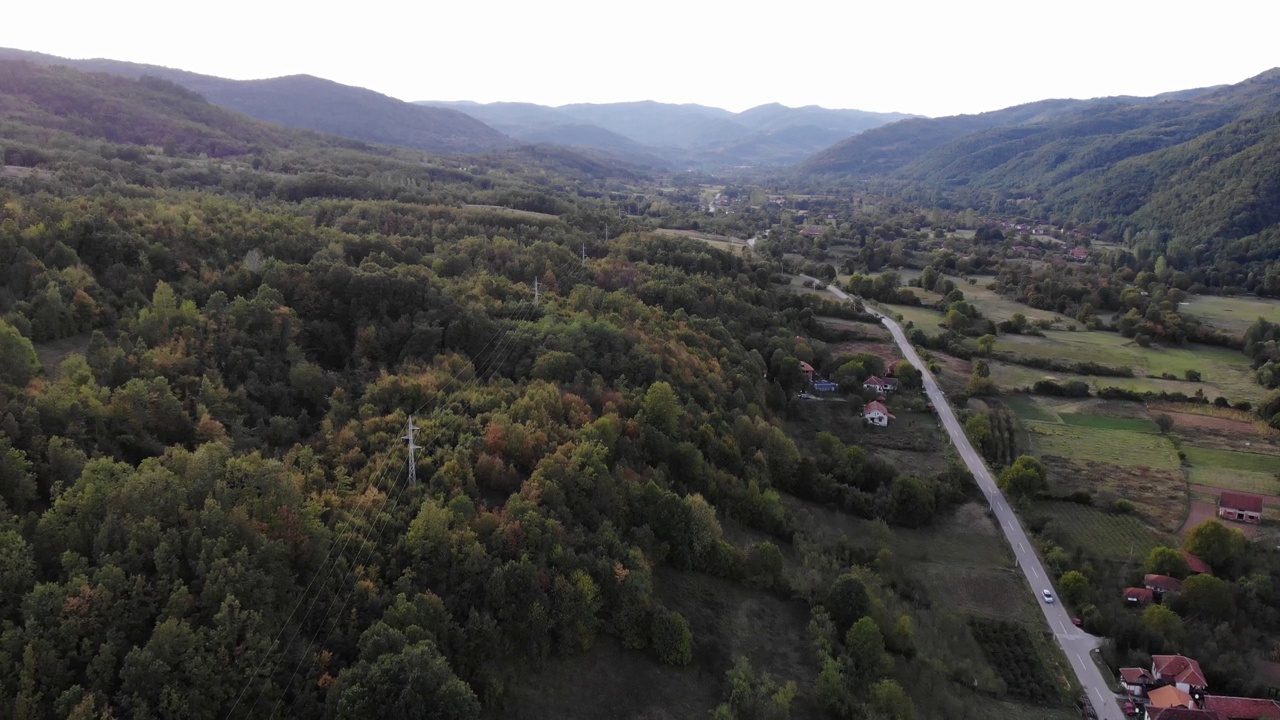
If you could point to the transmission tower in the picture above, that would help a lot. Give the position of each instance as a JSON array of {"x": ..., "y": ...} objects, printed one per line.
[{"x": 413, "y": 454}]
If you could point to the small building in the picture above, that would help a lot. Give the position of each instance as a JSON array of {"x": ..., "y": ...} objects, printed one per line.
[
  {"x": 1161, "y": 584},
  {"x": 1195, "y": 565},
  {"x": 811, "y": 231},
  {"x": 1137, "y": 596},
  {"x": 875, "y": 413},
  {"x": 825, "y": 386},
  {"x": 1240, "y": 507},
  {"x": 880, "y": 385},
  {"x": 1168, "y": 696},
  {"x": 807, "y": 369},
  {"x": 1079, "y": 254},
  {"x": 1180, "y": 671},
  {"x": 1238, "y": 708},
  {"x": 1137, "y": 681}
]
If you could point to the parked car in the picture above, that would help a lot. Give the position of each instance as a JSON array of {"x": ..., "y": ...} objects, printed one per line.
[
  {"x": 1048, "y": 596},
  {"x": 1077, "y": 622}
]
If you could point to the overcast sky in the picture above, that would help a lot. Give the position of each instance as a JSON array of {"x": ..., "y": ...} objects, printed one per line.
[{"x": 927, "y": 57}]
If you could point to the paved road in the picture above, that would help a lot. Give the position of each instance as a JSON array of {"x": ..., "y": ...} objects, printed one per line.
[{"x": 1076, "y": 644}]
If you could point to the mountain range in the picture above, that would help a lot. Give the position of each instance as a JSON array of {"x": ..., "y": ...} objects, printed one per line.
[
  {"x": 684, "y": 135},
  {"x": 648, "y": 134}
]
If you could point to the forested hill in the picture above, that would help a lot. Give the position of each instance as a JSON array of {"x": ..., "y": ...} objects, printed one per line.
[
  {"x": 1191, "y": 177},
  {"x": 303, "y": 101},
  {"x": 213, "y": 333}
]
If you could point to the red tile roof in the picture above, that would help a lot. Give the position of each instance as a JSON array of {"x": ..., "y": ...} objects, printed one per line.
[
  {"x": 1238, "y": 708},
  {"x": 1180, "y": 713},
  {"x": 1162, "y": 582},
  {"x": 1139, "y": 595},
  {"x": 1135, "y": 676},
  {"x": 1178, "y": 668},
  {"x": 806, "y": 367},
  {"x": 1169, "y": 696},
  {"x": 874, "y": 405},
  {"x": 1240, "y": 501},
  {"x": 1195, "y": 564}
]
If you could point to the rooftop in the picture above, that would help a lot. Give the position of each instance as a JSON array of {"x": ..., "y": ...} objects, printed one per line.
[
  {"x": 1238, "y": 708},
  {"x": 1240, "y": 501},
  {"x": 1179, "y": 668}
]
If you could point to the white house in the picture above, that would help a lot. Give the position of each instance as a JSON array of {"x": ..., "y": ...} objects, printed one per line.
[{"x": 875, "y": 413}]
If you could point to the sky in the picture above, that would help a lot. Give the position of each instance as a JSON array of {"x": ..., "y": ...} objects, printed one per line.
[{"x": 927, "y": 57}]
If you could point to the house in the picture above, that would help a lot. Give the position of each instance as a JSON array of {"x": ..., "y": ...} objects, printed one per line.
[
  {"x": 1138, "y": 596},
  {"x": 880, "y": 385},
  {"x": 1168, "y": 696},
  {"x": 811, "y": 231},
  {"x": 1079, "y": 254},
  {"x": 1162, "y": 584},
  {"x": 1196, "y": 565},
  {"x": 1181, "y": 713},
  {"x": 1181, "y": 671},
  {"x": 807, "y": 369},
  {"x": 1241, "y": 507},
  {"x": 875, "y": 413},
  {"x": 825, "y": 386},
  {"x": 1238, "y": 708},
  {"x": 1136, "y": 680}
]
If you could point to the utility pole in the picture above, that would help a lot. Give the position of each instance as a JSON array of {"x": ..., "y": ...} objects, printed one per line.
[{"x": 413, "y": 454}]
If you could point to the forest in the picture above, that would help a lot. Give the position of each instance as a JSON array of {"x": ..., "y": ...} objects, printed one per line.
[{"x": 213, "y": 336}]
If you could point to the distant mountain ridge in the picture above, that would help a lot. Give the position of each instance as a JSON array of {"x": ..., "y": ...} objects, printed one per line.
[
  {"x": 304, "y": 101},
  {"x": 686, "y": 134}
]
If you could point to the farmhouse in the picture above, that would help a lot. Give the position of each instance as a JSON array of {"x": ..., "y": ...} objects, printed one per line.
[
  {"x": 1238, "y": 506},
  {"x": 1079, "y": 254},
  {"x": 875, "y": 413},
  {"x": 1179, "y": 670},
  {"x": 1238, "y": 708},
  {"x": 807, "y": 369},
  {"x": 1161, "y": 584},
  {"x": 880, "y": 385},
  {"x": 1196, "y": 565},
  {"x": 1138, "y": 596},
  {"x": 1136, "y": 680}
]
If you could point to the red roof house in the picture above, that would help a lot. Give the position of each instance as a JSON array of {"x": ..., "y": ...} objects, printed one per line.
[
  {"x": 1196, "y": 565},
  {"x": 1138, "y": 596},
  {"x": 880, "y": 384},
  {"x": 1179, "y": 670},
  {"x": 877, "y": 414},
  {"x": 1238, "y": 708},
  {"x": 1079, "y": 253},
  {"x": 1241, "y": 507},
  {"x": 1162, "y": 583},
  {"x": 1168, "y": 696},
  {"x": 1136, "y": 680},
  {"x": 807, "y": 369}
]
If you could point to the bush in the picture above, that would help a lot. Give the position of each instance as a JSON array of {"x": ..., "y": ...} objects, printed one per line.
[
  {"x": 1124, "y": 507},
  {"x": 671, "y": 638}
]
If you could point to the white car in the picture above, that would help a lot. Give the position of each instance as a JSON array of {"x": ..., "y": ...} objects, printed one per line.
[{"x": 1048, "y": 596}]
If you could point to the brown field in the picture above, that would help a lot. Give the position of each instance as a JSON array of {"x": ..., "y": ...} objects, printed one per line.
[
  {"x": 1159, "y": 494},
  {"x": 885, "y": 350},
  {"x": 866, "y": 329}
]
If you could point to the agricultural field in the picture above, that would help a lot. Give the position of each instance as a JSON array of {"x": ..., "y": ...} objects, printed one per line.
[
  {"x": 1249, "y": 472},
  {"x": 1111, "y": 449},
  {"x": 1220, "y": 368},
  {"x": 1011, "y": 376},
  {"x": 1231, "y": 314},
  {"x": 1101, "y": 445},
  {"x": 1098, "y": 533}
]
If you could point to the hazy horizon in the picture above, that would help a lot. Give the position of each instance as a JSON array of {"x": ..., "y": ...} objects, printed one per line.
[{"x": 934, "y": 59}]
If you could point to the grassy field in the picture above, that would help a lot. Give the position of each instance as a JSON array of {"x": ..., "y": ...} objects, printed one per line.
[
  {"x": 927, "y": 319},
  {"x": 1232, "y": 314},
  {"x": 1105, "y": 422},
  {"x": 996, "y": 307},
  {"x": 1223, "y": 371},
  {"x": 1099, "y": 533},
  {"x": 1242, "y": 471},
  {"x": 1116, "y": 447}
]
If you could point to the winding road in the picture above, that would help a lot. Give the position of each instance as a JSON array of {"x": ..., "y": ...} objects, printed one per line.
[{"x": 1076, "y": 644}]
